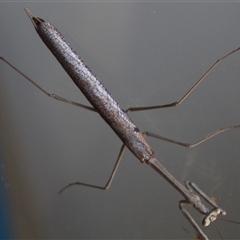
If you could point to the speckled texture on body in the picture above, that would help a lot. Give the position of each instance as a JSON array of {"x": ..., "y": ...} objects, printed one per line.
[
  {"x": 108, "y": 108},
  {"x": 93, "y": 90}
]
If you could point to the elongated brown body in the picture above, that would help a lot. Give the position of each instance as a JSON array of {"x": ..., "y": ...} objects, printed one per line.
[
  {"x": 93, "y": 89},
  {"x": 106, "y": 106},
  {"x": 119, "y": 121}
]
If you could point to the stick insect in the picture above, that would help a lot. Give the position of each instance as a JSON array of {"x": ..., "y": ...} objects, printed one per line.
[{"x": 118, "y": 119}]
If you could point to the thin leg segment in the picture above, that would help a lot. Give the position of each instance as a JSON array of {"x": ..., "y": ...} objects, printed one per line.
[
  {"x": 52, "y": 95},
  {"x": 109, "y": 182},
  {"x": 192, "y": 186},
  {"x": 191, "y": 145},
  {"x": 175, "y": 104},
  {"x": 201, "y": 234}
]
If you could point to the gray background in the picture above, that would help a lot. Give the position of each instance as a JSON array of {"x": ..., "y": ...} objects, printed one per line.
[{"x": 145, "y": 54}]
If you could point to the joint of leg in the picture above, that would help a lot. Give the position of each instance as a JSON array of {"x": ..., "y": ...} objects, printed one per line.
[
  {"x": 176, "y": 103},
  {"x": 52, "y": 95}
]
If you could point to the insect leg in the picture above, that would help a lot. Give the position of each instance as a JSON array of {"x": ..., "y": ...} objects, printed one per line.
[
  {"x": 109, "y": 182},
  {"x": 175, "y": 104},
  {"x": 191, "y": 145},
  {"x": 52, "y": 95}
]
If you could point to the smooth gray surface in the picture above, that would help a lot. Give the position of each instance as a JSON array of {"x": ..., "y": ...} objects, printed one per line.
[{"x": 145, "y": 54}]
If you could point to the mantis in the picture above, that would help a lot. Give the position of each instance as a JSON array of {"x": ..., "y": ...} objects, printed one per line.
[{"x": 119, "y": 120}]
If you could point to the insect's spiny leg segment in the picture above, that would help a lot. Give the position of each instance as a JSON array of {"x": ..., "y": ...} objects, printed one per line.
[
  {"x": 193, "y": 187},
  {"x": 192, "y": 222},
  {"x": 210, "y": 216}
]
